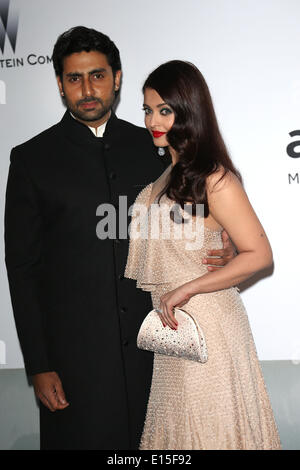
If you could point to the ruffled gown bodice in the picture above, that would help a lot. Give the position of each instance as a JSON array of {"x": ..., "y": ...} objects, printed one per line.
[{"x": 163, "y": 251}]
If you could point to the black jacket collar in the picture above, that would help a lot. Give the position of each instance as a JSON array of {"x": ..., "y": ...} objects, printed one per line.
[{"x": 81, "y": 134}]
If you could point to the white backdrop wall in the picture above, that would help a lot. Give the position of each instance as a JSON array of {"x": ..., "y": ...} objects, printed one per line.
[{"x": 249, "y": 54}]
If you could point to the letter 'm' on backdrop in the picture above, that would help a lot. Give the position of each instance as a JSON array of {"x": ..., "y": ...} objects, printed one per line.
[{"x": 249, "y": 54}]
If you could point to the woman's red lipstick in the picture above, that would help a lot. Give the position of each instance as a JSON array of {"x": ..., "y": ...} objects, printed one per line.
[{"x": 157, "y": 134}]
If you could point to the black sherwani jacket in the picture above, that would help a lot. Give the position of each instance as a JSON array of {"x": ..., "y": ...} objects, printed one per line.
[{"x": 75, "y": 312}]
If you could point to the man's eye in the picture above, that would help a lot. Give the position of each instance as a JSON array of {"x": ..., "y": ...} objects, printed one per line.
[
  {"x": 98, "y": 76},
  {"x": 74, "y": 79}
]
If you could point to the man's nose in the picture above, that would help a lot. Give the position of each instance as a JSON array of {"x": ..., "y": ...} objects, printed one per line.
[{"x": 87, "y": 88}]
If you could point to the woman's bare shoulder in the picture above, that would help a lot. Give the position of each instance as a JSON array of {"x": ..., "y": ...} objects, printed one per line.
[{"x": 221, "y": 179}]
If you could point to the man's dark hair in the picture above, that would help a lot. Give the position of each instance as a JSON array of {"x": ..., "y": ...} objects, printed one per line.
[{"x": 80, "y": 39}]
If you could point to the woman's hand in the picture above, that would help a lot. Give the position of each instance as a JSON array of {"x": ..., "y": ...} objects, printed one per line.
[{"x": 175, "y": 298}]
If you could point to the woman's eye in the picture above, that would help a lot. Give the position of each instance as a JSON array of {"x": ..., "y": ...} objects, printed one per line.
[
  {"x": 147, "y": 110},
  {"x": 165, "y": 111}
]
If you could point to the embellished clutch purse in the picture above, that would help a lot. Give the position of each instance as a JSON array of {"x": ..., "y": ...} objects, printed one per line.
[{"x": 187, "y": 341}]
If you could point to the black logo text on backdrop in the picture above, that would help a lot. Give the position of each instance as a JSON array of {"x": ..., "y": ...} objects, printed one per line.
[{"x": 9, "y": 27}]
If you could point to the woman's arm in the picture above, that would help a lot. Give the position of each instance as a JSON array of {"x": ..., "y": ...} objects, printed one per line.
[{"x": 230, "y": 207}]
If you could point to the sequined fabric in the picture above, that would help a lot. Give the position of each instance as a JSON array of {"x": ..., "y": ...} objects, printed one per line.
[{"x": 218, "y": 405}]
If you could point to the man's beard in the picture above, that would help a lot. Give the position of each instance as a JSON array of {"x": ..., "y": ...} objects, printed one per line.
[{"x": 90, "y": 115}]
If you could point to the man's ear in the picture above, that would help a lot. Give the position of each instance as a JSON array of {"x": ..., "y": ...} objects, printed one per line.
[
  {"x": 118, "y": 76},
  {"x": 60, "y": 86}
]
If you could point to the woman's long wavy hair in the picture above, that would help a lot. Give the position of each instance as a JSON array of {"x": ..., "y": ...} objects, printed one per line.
[{"x": 195, "y": 134}]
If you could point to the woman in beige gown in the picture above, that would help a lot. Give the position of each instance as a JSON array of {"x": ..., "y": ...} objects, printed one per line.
[{"x": 223, "y": 403}]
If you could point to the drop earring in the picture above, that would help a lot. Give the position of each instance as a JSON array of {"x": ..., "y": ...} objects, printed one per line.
[{"x": 161, "y": 151}]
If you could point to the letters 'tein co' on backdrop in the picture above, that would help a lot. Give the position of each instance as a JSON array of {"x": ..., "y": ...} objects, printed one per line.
[{"x": 248, "y": 53}]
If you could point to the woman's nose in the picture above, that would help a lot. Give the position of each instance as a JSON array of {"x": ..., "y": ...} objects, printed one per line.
[{"x": 154, "y": 120}]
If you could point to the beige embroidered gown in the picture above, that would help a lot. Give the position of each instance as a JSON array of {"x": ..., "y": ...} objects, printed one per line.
[{"x": 223, "y": 403}]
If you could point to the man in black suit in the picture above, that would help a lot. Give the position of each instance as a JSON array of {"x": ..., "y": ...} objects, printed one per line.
[{"x": 77, "y": 317}]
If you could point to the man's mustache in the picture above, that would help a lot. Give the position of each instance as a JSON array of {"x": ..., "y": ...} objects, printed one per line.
[{"x": 88, "y": 100}]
